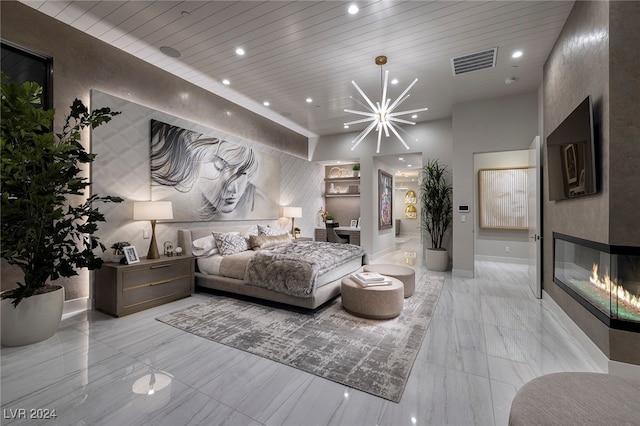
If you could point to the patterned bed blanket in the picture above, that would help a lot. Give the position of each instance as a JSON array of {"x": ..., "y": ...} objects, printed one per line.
[{"x": 294, "y": 268}]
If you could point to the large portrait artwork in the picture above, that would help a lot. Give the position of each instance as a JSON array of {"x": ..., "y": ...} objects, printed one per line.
[
  {"x": 503, "y": 198},
  {"x": 385, "y": 200},
  {"x": 209, "y": 178}
]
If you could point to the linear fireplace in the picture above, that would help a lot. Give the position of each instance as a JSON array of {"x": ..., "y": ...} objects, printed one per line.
[{"x": 604, "y": 279}]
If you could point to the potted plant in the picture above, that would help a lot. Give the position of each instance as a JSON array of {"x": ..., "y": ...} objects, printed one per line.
[
  {"x": 437, "y": 211},
  {"x": 328, "y": 218},
  {"x": 46, "y": 231},
  {"x": 118, "y": 253},
  {"x": 356, "y": 170},
  {"x": 296, "y": 232}
]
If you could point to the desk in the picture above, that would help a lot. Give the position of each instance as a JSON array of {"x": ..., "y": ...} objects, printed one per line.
[{"x": 352, "y": 234}]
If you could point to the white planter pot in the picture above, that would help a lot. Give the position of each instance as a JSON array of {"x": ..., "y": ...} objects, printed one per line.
[
  {"x": 35, "y": 319},
  {"x": 437, "y": 259}
]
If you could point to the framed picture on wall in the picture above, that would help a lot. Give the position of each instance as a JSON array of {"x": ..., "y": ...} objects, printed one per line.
[
  {"x": 385, "y": 200},
  {"x": 503, "y": 198},
  {"x": 211, "y": 178}
]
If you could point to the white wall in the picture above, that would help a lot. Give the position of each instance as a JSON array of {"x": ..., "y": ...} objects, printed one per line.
[
  {"x": 499, "y": 124},
  {"x": 433, "y": 139},
  {"x": 499, "y": 244}
]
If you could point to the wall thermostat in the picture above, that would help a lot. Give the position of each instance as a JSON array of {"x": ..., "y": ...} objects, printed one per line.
[{"x": 463, "y": 208}]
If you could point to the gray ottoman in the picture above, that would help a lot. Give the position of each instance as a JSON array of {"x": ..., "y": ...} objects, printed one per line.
[
  {"x": 577, "y": 399},
  {"x": 403, "y": 273},
  {"x": 376, "y": 302}
]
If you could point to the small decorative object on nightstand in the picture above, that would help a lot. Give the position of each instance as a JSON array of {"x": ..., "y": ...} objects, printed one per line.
[
  {"x": 125, "y": 289},
  {"x": 168, "y": 248}
]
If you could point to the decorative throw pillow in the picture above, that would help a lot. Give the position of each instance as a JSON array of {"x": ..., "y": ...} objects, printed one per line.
[
  {"x": 258, "y": 242},
  {"x": 266, "y": 230},
  {"x": 229, "y": 243},
  {"x": 205, "y": 246}
]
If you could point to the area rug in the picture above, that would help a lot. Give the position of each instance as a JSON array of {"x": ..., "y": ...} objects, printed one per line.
[{"x": 374, "y": 356}]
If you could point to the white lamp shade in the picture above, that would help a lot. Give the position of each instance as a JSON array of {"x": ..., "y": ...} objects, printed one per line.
[
  {"x": 152, "y": 210},
  {"x": 292, "y": 212}
]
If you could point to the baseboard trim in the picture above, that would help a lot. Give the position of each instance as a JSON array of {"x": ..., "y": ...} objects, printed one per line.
[
  {"x": 75, "y": 306},
  {"x": 501, "y": 259},
  {"x": 604, "y": 363},
  {"x": 462, "y": 273}
]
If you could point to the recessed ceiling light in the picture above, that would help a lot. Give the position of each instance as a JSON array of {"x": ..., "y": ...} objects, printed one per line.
[
  {"x": 170, "y": 51},
  {"x": 266, "y": 103},
  {"x": 226, "y": 82},
  {"x": 353, "y": 9},
  {"x": 517, "y": 54},
  {"x": 346, "y": 127},
  {"x": 309, "y": 100},
  {"x": 409, "y": 165},
  {"x": 394, "y": 81},
  {"x": 401, "y": 158},
  {"x": 414, "y": 116},
  {"x": 339, "y": 162},
  {"x": 240, "y": 51}
]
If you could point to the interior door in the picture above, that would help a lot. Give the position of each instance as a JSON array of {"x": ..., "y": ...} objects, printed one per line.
[{"x": 535, "y": 218}]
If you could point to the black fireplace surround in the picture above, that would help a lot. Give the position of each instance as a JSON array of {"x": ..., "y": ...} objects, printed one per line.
[{"x": 605, "y": 279}]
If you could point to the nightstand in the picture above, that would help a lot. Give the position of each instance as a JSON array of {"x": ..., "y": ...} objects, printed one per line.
[{"x": 125, "y": 289}]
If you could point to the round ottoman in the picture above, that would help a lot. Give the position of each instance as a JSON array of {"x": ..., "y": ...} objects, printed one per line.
[
  {"x": 375, "y": 302},
  {"x": 577, "y": 398},
  {"x": 403, "y": 273}
]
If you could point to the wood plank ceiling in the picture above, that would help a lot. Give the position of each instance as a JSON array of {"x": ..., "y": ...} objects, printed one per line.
[{"x": 308, "y": 49}]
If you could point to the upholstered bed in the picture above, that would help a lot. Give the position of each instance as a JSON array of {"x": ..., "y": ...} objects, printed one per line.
[{"x": 275, "y": 268}]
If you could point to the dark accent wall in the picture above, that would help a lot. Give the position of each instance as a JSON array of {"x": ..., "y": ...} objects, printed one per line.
[
  {"x": 82, "y": 63},
  {"x": 596, "y": 54}
]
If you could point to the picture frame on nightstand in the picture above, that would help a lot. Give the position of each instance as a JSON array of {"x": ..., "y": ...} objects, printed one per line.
[{"x": 131, "y": 254}]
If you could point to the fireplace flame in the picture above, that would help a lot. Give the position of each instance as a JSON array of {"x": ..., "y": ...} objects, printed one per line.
[{"x": 609, "y": 286}]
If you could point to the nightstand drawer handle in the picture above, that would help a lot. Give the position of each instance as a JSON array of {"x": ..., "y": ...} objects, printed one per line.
[
  {"x": 159, "y": 266},
  {"x": 161, "y": 282}
]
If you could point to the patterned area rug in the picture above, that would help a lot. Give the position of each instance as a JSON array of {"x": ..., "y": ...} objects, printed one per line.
[{"x": 373, "y": 356}]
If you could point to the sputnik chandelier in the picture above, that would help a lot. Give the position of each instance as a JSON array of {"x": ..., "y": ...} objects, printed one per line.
[{"x": 382, "y": 115}]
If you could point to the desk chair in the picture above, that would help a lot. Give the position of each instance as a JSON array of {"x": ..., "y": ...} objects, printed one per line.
[{"x": 333, "y": 237}]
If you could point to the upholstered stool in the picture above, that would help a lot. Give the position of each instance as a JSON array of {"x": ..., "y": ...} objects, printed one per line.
[
  {"x": 577, "y": 399},
  {"x": 375, "y": 302},
  {"x": 403, "y": 273}
]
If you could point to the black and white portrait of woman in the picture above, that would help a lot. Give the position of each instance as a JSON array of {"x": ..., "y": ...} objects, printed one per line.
[{"x": 209, "y": 178}]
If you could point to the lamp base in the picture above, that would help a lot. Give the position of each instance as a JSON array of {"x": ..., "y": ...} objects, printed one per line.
[{"x": 153, "y": 246}]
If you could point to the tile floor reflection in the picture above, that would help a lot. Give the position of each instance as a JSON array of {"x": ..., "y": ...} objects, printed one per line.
[{"x": 488, "y": 337}]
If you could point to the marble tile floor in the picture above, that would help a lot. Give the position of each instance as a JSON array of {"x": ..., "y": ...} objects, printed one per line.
[{"x": 488, "y": 337}]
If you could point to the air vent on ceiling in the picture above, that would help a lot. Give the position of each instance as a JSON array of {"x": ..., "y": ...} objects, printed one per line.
[{"x": 474, "y": 61}]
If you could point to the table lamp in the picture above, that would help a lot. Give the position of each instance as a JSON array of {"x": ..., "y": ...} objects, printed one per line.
[
  {"x": 152, "y": 210},
  {"x": 292, "y": 212}
]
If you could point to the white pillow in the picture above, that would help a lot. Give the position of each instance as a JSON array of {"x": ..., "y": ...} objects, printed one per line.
[
  {"x": 266, "y": 230},
  {"x": 249, "y": 231},
  {"x": 230, "y": 243},
  {"x": 205, "y": 246}
]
